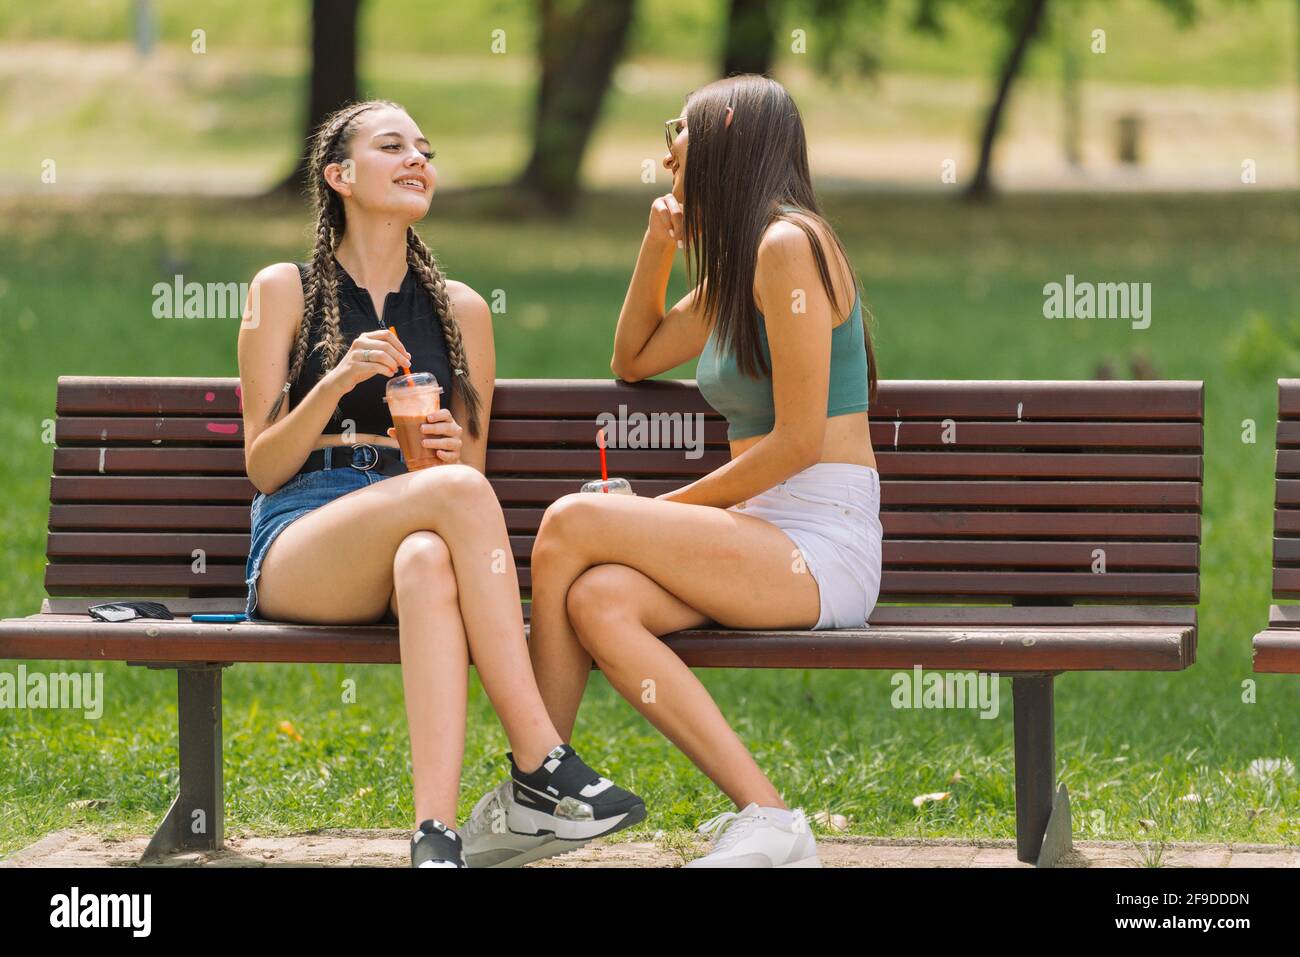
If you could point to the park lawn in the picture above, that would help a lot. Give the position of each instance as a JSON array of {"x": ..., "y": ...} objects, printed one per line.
[{"x": 956, "y": 291}]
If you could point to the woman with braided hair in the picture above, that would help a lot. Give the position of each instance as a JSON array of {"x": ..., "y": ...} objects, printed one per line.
[{"x": 342, "y": 532}]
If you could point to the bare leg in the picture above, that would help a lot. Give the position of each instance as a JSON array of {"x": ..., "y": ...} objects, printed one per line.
[
  {"x": 435, "y": 668},
  {"x": 683, "y": 565},
  {"x": 337, "y": 565}
]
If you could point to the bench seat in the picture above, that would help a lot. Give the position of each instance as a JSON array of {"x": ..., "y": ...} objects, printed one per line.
[{"x": 1005, "y": 640}]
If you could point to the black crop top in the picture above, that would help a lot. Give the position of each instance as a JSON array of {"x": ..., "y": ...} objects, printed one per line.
[{"x": 411, "y": 313}]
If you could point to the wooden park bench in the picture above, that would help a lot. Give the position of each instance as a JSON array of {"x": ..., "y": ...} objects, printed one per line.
[
  {"x": 1277, "y": 648},
  {"x": 1032, "y": 528}
]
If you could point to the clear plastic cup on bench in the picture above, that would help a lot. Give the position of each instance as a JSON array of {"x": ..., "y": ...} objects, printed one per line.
[{"x": 614, "y": 486}]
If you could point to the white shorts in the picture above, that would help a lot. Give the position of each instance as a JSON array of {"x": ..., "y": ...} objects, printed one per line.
[{"x": 831, "y": 511}]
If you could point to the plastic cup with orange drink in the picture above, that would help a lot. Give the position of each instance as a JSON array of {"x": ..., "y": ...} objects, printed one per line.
[{"x": 411, "y": 399}]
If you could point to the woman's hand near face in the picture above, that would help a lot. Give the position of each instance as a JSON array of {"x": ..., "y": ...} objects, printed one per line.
[
  {"x": 667, "y": 224},
  {"x": 441, "y": 433}
]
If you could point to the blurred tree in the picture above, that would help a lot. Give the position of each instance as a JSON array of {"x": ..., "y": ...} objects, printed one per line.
[
  {"x": 1022, "y": 18},
  {"x": 333, "y": 74},
  {"x": 1071, "y": 127},
  {"x": 845, "y": 35},
  {"x": 750, "y": 41},
  {"x": 1023, "y": 21},
  {"x": 579, "y": 43}
]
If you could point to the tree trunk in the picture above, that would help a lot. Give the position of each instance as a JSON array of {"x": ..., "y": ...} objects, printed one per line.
[
  {"x": 981, "y": 186},
  {"x": 333, "y": 75},
  {"x": 579, "y": 43},
  {"x": 751, "y": 36}
]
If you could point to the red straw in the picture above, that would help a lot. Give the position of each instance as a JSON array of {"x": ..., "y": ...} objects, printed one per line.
[{"x": 604, "y": 472}]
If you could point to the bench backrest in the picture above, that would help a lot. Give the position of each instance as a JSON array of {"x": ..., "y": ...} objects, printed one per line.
[
  {"x": 992, "y": 492},
  {"x": 1286, "y": 502}
]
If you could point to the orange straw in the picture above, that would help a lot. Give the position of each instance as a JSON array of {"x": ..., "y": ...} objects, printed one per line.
[{"x": 393, "y": 330}]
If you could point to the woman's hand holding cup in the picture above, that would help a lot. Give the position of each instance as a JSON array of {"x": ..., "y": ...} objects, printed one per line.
[{"x": 442, "y": 434}]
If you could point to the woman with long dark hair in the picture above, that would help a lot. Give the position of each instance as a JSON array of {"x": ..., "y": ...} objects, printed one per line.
[
  {"x": 341, "y": 531},
  {"x": 787, "y": 534}
]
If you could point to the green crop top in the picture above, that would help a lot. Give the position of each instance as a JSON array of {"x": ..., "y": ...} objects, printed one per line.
[{"x": 747, "y": 403}]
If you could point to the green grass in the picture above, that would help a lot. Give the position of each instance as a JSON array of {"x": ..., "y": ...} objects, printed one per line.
[{"x": 956, "y": 292}]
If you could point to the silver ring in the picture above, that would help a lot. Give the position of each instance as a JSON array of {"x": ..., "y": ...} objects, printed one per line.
[{"x": 365, "y": 355}]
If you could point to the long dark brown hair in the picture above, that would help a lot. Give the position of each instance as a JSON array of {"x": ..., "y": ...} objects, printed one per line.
[
  {"x": 330, "y": 144},
  {"x": 737, "y": 179}
]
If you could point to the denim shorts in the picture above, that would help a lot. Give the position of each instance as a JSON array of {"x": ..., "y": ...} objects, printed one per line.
[
  {"x": 831, "y": 511},
  {"x": 269, "y": 515}
]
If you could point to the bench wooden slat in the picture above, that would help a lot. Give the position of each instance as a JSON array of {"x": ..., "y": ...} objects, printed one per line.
[
  {"x": 1288, "y": 434},
  {"x": 974, "y": 554},
  {"x": 1277, "y": 651},
  {"x": 1288, "y": 463},
  {"x": 135, "y": 578},
  {"x": 142, "y": 579},
  {"x": 1019, "y": 616},
  {"x": 1288, "y": 393},
  {"x": 913, "y": 433},
  {"x": 1286, "y": 582},
  {"x": 1055, "y": 525},
  {"x": 1286, "y": 521},
  {"x": 533, "y": 398},
  {"x": 633, "y": 463},
  {"x": 1015, "y": 554},
  {"x": 71, "y": 431},
  {"x": 64, "y": 545},
  {"x": 1286, "y": 550},
  {"x": 993, "y": 648},
  {"x": 958, "y": 526},
  {"x": 1056, "y": 494},
  {"x": 651, "y": 462},
  {"x": 1288, "y": 493}
]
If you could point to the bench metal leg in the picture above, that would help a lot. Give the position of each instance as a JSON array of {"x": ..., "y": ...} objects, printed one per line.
[
  {"x": 1043, "y": 833},
  {"x": 196, "y": 820}
]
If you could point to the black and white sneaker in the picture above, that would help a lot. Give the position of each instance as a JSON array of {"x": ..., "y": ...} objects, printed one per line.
[
  {"x": 558, "y": 808},
  {"x": 436, "y": 845}
]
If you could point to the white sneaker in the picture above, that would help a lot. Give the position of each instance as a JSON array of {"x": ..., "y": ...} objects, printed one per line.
[
  {"x": 558, "y": 808},
  {"x": 490, "y": 841},
  {"x": 752, "y": 838}
]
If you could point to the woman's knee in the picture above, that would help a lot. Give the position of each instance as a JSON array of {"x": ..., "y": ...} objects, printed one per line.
[
  {"x": 599, "y": 600},
  {"x": 568, "y": 521},
  {"x": 423, "y": 561},
  {"x": 462, "y": 487}
]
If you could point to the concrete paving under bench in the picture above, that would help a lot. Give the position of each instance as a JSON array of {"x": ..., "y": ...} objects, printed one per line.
[{"x": 390, "y": 849}]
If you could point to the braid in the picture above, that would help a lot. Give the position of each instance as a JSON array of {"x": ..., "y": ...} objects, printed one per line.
[
  {"x": 321, "y": 296},
  {"x": 421, "y": 261}
]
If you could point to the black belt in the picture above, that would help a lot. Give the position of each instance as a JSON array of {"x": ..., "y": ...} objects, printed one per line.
[{"x": 361, "y": 456}]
